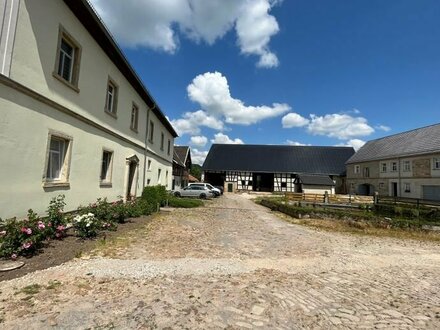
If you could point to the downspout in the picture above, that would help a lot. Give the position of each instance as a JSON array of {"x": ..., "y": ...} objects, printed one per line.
[
  {"x": 400, "y": 179},
  {"x": 146, "y": 145}
]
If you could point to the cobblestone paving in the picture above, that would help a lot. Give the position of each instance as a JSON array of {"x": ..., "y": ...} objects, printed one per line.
[{"x": 234, "y": 265}]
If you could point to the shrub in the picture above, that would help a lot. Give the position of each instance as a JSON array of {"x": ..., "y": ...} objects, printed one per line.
[
  {"x": 56, "y": 220},
  {"x": 22, "y": 237},
  {"x": 184, "y": 202},
  {"x": 86, "y": 225},
  {"x": 155, "y": 195}
]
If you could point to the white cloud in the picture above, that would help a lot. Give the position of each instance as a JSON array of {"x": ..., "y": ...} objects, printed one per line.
[
  {"x": 255, "y": 27},
  {"x": 157, "y": 24},
  {"x": 199, "y": 141},
  {"x": 355, "y": 143},
  {"x": 294, "y": 120},
  {"x": 211, "y": 91},
  {"x": 340, "y": 126},
  {"x": 295, "y": 143},
  {"x": 198, "y": 157},
  {"x": 383, "y": 128},
  {"x": 221, "y": 138},
  {"x": 191, "y": 121}
]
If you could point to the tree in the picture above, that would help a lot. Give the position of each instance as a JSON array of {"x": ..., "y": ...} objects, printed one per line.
[{"x": 196, "y": 171}]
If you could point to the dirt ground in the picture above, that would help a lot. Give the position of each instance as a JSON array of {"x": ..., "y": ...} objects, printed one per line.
[{"x": 232, "y": 265}]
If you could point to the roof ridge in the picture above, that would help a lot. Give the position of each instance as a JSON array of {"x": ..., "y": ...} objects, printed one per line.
[{"x": 404, "y": 132}]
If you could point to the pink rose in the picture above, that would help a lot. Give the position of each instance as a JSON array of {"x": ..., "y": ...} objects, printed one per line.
[
  {"x": 14, "y": 256},
  {"x": 49, "y": 224},
  {"x": 3, "y": 233},
  {"x": 57, "y": 235},
  {"x": 61, "y": 228},
  {"x": 41, "y": 225},
  {"x": 27, "y": 245},
  {"x": 26, "y": 231}
]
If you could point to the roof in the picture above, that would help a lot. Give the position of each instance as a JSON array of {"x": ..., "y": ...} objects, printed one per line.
[
  {"x": 278, "y": 159},
  {"x": 316, "y": 180},
  {"x": 177, "y": 160},
  {"x": 182, "y": 152},
  {"x": 418, "y": 141},
  {"x": 91, "y": 21},
  {"x": 192, "y": 178}
]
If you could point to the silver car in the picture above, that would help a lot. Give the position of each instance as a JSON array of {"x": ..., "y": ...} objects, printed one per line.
[{"x": 194, "y": 191}]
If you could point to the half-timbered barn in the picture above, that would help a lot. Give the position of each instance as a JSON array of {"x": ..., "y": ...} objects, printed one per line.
[{"x": 276, "y": 168}]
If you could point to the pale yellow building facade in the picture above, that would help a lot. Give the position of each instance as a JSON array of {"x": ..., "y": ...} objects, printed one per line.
[{"x": 75, "y": 118}]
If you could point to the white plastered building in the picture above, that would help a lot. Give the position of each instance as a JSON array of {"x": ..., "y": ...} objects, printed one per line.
[{"x": 75, "y": 119}]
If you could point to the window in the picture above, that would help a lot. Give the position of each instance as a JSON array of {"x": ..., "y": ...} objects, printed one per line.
[
  {"x": 151, "y": 138},
  {"x": 134, "y": 117},
  {"x": 148, "y": 182},
  {"x": 106, "y": 167},
  {"x": 436, "y": 163},
  {"x": 407, "y": 187},
  {"x": 162, "y": 141},
  {"x": 57, "y": 164},
  {"x": 111, "y": 98},
  {"x": 68, "y": 59},
  {"x": 357, "y": 169},
  {"x": 243, "y": 182},
  {"x": 393, "y": 167},
  {"x": 166, "y": 178},
  {"x": 381, "y": 185},
  {"x": 406, "y": 166},
  {"x": 159, "y": 173},
  {"x": 383, "y": 167},
  {"x": 366, "y": 172},
  {"x": 283, "y": 184},
  {"x": 169, "y": 146},
  {"x": 149, "y": 165}
]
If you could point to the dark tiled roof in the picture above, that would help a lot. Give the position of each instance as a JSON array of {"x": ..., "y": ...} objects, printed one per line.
[
  {"x": 177, "y": 159},
  {"x": 91, "y": 21},
  {"x": 278, "y": 159},
  {"x": 182, "y": 153},
  {"x": 316, "y": 180},
  {"x": 419, "y": 141}
]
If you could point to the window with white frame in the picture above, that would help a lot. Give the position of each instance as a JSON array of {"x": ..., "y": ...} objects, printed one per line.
[
  {"x": 57, "y": 164},
  {"x": 406, "y": 166},
  {"x": 394, "y": 167},
  {"x": 134, "y": 117},
  {"x": 436, "y": 163},
  {"x": 68, "y": 59},
  {"x": 149, "y": 165},
  {"x": 159, "y": 174},
  {"x": 111, "y": 98},
  {"x": 106, "y": 167},
  {"x": 357, "y": 169},
  {"x": 383, "y": 167},
  {"x": 407, "y": 187}
]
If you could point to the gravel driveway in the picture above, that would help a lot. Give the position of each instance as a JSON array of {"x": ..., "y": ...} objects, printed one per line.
[{"x": 233, "y": 265}]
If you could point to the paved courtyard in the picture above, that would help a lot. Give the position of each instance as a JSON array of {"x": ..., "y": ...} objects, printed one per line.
[{"x": 233, "y": 265}]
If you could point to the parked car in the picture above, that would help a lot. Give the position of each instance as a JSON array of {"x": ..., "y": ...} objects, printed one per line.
[
  {"x": 194, "y": 191},
  {"x": 216, "y": 191},
  {"x": 221, "y": 188}
]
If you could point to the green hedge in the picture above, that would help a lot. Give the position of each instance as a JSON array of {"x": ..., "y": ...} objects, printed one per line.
[
  {"x": 155, "y": 195},
  {"x": 184, "y": 202},
  {"x": 387, "y": 217}
]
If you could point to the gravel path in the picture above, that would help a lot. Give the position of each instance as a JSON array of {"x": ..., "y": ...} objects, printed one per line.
[{"x": 233, "y": 265}]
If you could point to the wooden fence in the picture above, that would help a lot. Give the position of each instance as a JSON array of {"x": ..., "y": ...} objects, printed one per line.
[{"x": 329, "y": 199}]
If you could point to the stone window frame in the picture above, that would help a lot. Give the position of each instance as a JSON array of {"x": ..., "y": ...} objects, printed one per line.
[
  {"x": 149, "y": 165},
  {"x": 169, "y": 147},
  {"x": 134, "y": 121},
  {"x": 67, "y": 37},
  {"x": 436, "y": 164},
  {"x": 406, "y": 187},
  {"x": 381, "y": 185},
  {"x": 114, "y": 109},
  {"x": 357, "y": 169},
  {"x": 406, "y": 166},
  {"x": 107, "y": 182},
  {"x": 159, "y": 176},
  {"x": 383, "y": 167},
  {"x": 162, "y": 141},
  {"x": 394, "y": 167},
  {"x": 63, "y": 181}
]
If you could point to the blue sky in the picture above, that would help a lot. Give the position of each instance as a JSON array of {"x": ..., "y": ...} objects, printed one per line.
[{"x": 331, "y": 72}]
